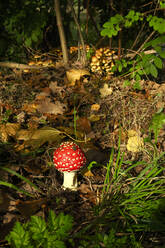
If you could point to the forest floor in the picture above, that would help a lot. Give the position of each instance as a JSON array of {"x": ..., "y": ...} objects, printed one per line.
[{"x": 41, "y": 108}]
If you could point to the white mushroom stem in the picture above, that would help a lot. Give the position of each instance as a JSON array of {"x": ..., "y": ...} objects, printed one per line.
[{"x": 70, "y": 180}]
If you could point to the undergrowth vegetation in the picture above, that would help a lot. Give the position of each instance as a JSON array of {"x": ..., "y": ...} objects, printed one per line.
[{"x": 128, "y": 209}]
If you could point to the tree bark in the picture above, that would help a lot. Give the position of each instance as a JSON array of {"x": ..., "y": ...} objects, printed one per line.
[{"x": 61, "y": 31}]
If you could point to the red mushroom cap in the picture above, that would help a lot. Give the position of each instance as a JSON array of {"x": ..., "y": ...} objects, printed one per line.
[{"x": 69, "y": 157}]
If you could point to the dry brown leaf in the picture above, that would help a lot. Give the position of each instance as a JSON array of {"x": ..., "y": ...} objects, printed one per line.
[
  {"x": 94, "y": 118},
  {"x": 40, "y": 136},
  {"x": 88, "y": 174},
  {"x": 87, "y": 194},
  {"x": 21, "y": 117},
  {"x": 74, "y": 75},
  {"x": 7, "y": 130},
  {"x": 28, "y": 208},
  {"x": 56, "y": 89},
  {"x": 23, "y": 134},
  {"x": 47, "y": 107},
  {"x": 4, "y": 200},
  {"x": 106, "y": 90},
  {"x": 84, "y": 124},
  {"x": 29, "y": 108}
]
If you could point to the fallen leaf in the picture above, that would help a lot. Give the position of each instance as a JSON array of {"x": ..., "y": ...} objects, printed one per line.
[
  {"x": 56, "y": 89},
  {"x": 21, "y": 117},
  {"x": 23, "y": 134},
  {"x": 88, "y": 174},
  {"x": 4, "y": 200},
  {"x": 84, "y": 124},
  {"x": 45, "y": 106},
  {"x": 94, "y": 118},
  {"x": 40, "y": 136},
  {"x": 74, "y": 75},
  {"x": 106, "y": 90},
  {"x": 7, "y": 130},
  {"x": 87, "y": 194},
  {"x": 29, "y": 208},
  {"x": 29, "y": 108}
]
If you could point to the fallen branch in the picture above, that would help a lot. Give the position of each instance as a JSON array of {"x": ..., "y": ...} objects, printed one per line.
[{"x": 19, "y": 66}]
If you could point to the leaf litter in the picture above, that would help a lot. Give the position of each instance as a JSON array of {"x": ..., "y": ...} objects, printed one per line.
[{"x": 55, "y": 104}]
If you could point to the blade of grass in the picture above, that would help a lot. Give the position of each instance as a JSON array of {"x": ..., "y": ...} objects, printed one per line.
[
  {"x": 133, "y": 166},
  {"x": 10, "y": 185},
  {"x": 107, "y": 177},
  {"x": 153, "y": 173},
  {"x": 118, "y": 165},
  {"x": 21, "y": 177}
]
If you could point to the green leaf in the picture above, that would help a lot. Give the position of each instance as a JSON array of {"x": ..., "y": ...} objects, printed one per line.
[
  {"x": 126, "y": 83},
  {"x": 157, "y": 122},
  {"x": 158, "y": 62},
  {"x": 19, "y": 237},
  {"x": 107, "y": 32},
  {"x": 137, "y": 85},
  {"x": 37, "y": 227},
  {"x": 162, "y": 54},
  {"x": 28, "y": 42},
  {"x": 137, "y": 77},
  {"x": 34, "y": 37},
  {"x": 153, "y": 71},
  {"x": 162, "y": 5},
  {"x": 60, "y": 224}
]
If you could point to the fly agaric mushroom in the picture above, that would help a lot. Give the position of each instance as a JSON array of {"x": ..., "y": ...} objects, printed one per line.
[{"x": 69, "y": 158}]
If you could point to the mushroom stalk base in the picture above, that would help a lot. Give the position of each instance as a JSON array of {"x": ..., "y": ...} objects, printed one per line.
[{"x": 70, "y": 180}]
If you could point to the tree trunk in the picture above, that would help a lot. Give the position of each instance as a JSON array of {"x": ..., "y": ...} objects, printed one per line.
[
  {"x": 83, "y": 59},
  {"x": 61, "y": 31}
]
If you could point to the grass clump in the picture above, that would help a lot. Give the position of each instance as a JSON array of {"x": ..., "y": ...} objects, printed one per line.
[{"x": 130, "y": 212}]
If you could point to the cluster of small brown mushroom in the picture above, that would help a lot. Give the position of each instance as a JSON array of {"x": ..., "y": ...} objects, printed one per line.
[
  {"x": 102, "y": 61},
  {"x": 74, "y": 49}
]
